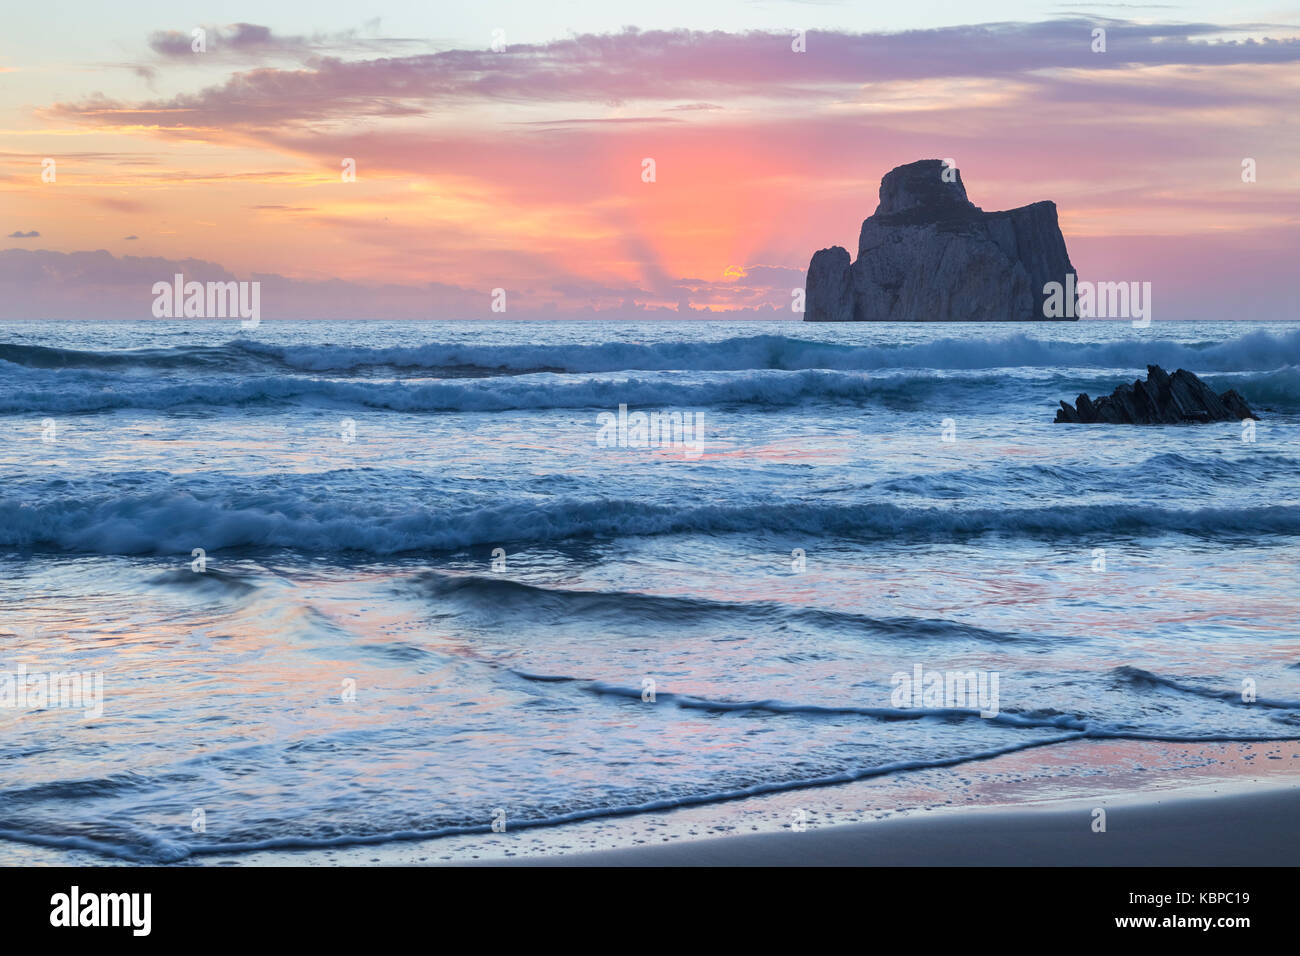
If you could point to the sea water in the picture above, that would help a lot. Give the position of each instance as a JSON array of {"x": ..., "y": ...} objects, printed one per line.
[{"x": 353, "y": 583}]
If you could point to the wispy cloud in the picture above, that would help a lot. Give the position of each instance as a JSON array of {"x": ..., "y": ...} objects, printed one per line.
[
  {"x": 674, "y": 65},
  {"x": 251, "y": 41}
]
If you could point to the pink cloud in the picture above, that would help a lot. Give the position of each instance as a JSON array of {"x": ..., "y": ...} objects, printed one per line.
[{"x": 659, "y": 65}]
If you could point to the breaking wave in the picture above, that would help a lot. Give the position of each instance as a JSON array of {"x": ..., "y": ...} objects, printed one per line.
[
  {"x": 1278, "y": 390},
  {"x": 1254, "y": 351},
  {"x": 169, "y": 522}
]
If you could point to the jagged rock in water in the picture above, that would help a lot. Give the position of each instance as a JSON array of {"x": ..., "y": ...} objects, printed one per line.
[
  {"x": 929, "y": 254},
  {"x": 1163, "y": 399}
]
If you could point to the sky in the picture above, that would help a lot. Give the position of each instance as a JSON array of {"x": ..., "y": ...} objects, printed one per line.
[{"x": 505, "y": 146}]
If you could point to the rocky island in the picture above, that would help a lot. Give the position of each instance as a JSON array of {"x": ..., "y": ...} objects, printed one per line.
[
  {"x": 929, "y": 254},
  {"x": 1163, "y": 399}
]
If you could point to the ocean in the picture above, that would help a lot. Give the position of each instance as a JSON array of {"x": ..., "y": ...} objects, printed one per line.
[{"x": 327, "y": 584}]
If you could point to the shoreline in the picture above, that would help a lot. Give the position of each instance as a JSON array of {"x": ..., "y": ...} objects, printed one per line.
[
  {"x": 1039, "y": 799},
  {"x": 1039, "y": 792},
  {"x": 1182, "y": 828}
]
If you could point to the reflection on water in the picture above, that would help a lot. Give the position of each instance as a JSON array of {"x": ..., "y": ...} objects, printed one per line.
[{"x": 348, "y": 667}]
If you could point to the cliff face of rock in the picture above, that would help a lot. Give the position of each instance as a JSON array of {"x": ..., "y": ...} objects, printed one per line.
[
  {"x": 929, "y": 254},
  {"x": 1163, "y": 399}
]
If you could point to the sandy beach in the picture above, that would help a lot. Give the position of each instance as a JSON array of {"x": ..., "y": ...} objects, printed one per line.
[
  {"x": 1166, "y": 804},
  {"x": 1185, "y": 828}
]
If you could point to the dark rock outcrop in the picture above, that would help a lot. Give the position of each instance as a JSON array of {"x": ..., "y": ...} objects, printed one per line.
[
  {"x": 829, "y": 274},
  {"x": 1163, "y": 399},
  {"x": 929, "y": 254}
]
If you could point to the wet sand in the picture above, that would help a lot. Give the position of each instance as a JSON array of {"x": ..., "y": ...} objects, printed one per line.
[{"x": 1183, "y": 828}]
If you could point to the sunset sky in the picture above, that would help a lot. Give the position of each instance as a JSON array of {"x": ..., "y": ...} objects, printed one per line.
[{"x": 521, "y": 168}]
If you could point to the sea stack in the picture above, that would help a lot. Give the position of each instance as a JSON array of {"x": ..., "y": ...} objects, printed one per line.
[{"x": 929, "y": 254}]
